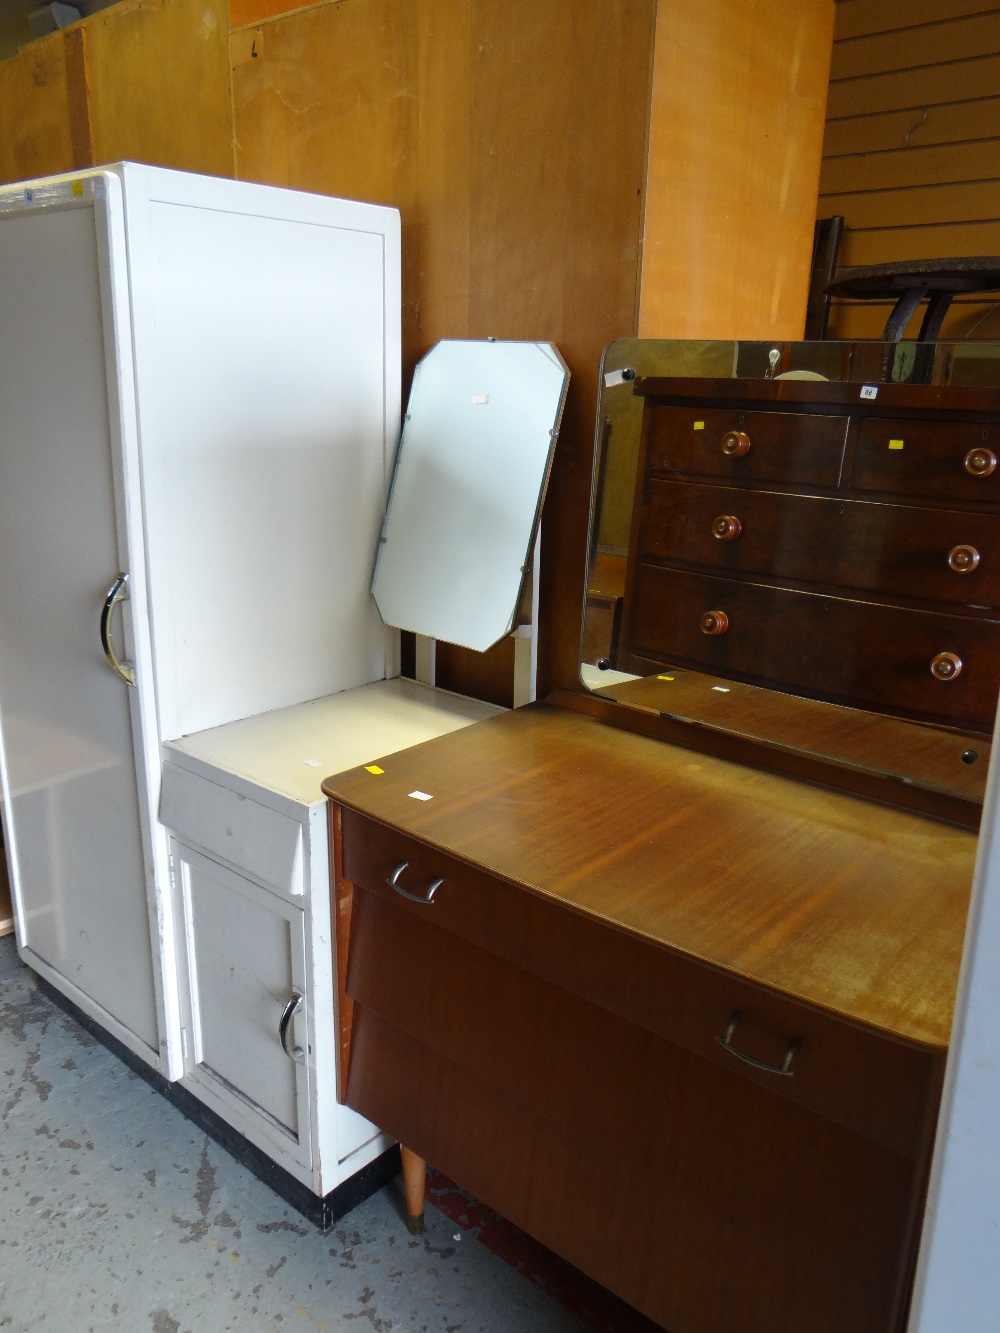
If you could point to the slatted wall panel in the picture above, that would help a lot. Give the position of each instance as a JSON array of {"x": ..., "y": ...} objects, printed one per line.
[{"x": 911, "y": 156}]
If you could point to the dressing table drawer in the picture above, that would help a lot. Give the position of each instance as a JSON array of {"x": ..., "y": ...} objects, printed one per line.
[
  {"x": 735, "y": 445},
  {"x": 539, "y": 967},
  {"x": 957, "y": 460},
  {"x": 927, "y": 554},
  {"x": 937, "y": 666}
]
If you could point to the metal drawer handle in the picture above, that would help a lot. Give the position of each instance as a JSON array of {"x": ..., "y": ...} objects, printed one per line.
[
  {"x": 784, "y": 1069},
  {"x": 422, "y": 898},
  {"x": 293, "y": 1006},
  {"x": 118, "y": 592}
]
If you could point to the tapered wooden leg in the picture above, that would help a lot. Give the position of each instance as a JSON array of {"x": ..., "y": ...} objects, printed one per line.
[{"x": 415, "y": 1183}]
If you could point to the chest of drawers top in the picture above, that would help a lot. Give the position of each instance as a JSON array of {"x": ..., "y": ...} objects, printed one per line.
[{"x": 797, "y": 535}]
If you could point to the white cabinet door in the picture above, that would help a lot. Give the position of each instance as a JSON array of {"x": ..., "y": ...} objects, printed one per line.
[
  {"x": 246, "y": 964},
  {"x": 79, "y": 843}
]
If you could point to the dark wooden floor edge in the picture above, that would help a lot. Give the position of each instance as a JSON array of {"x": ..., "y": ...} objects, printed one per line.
[
  {"x": 872, "y": 786},
  {"x": 321, "y": 1212}
]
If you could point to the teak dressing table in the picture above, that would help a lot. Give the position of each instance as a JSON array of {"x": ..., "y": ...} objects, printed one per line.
[{"x": 665, "y": 972}]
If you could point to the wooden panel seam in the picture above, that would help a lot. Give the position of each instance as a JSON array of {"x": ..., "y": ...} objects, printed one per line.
[{"x": 78, "y": 96}]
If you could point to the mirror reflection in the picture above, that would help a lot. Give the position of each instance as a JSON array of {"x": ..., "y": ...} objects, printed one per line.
[{"x": 793, "y": 542}]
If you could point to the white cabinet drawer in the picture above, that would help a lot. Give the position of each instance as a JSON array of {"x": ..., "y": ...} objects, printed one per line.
[{"x": 260, "y": 842}]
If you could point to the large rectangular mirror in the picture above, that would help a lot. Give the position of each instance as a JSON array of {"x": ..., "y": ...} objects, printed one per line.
[{"x": 799, "y": 543}]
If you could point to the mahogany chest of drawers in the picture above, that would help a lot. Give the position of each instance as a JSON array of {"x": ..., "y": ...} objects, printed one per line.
[{"x": 799, "y": 535}]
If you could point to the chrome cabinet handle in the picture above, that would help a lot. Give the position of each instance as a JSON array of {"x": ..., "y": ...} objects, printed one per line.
[
  {"x": 118, "y": 592},
  {"x": 784, "y": 1069},
  {"x": 424, "y": 898},
  {"x": 293, "y": 1006}
]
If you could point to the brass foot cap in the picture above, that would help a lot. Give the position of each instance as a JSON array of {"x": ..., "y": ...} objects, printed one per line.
[{"x": 415, "y": 1225}]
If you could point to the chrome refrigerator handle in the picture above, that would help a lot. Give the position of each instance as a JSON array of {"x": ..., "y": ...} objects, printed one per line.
[
  {"x": 118, "y": 592},
  {"x": 293, "y": 1006}
]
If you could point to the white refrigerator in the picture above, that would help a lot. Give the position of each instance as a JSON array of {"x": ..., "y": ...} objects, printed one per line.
[{"x": 199, "y": 400}]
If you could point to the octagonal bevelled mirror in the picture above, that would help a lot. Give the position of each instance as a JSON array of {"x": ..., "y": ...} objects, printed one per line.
[{"x": 467, "y": 488}]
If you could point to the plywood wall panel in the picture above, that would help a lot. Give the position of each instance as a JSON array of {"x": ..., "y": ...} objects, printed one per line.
[
  {"x": 511, "y": 136},
  {"x": 735, "y": 144},
  {"x": 43, "y": 112},
  {"x": 244, "y": 13},
  {"x": 557, "y": 172},
  {"x": 158, "y": 74},
  {"x": 326, "y": 100}
]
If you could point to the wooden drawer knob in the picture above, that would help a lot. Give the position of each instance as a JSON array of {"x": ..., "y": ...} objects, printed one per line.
[
  {"x": 946, "y": 666},
  {"x": 963, "y": 559},
  {"x": 736, "y": 443},
  {"x": 714, "y": 622},
  {"x": 980, "y": 462},
  {"x": 726, "y": 527}
]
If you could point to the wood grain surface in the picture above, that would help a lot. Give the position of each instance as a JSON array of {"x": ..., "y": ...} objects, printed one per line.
[
  {"x": 158, "y": 79},
  {"x": 815, "y": 589},
  {"x": 913, "y": 752},
  {"x": 747, "y": 1214},
  {"x": 41, "y": 112},
  {"x": 886, "y": 548},
  {"x": 795, "y": 448},
  {"x": 735, "y": 141},
  {"x": 866, "y": 653},
  {"x": 606, "y": 911},
  {"x": 512, "y": 138},
  {"x": 928, "y": 461},
  {"x": 823, "y": 897},
  {"x": 843, "y": 1071}
]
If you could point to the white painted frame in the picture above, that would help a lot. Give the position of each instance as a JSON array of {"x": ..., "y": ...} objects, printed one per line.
[{"x": 957, "y": 1285}]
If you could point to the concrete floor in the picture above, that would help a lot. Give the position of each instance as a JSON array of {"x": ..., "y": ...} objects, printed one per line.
[{"x": 117, "y": 1213}]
